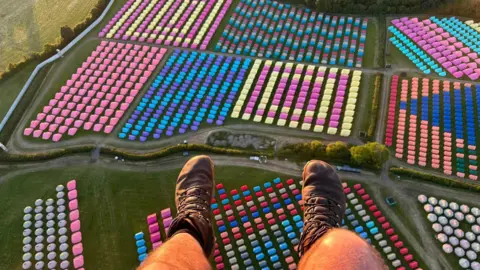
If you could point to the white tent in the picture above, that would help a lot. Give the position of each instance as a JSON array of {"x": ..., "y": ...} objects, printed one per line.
[
  {"x": 464, "y": 263},
  {"x": 460, "y": 252},
  {"x": 432, "y": 217},
  {"x": 454, "y": 206},
  {"x": 443, "y": 203},
  {"x": 464, "y": 208},
  {"x": 447, "y": 248},
  {"x": 442, "y": 237}
]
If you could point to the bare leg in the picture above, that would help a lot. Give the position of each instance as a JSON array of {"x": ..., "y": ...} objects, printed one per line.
[
  {"x": 323, "y": 245},
  {"x": 341, "y": 249},
  {"x": 190, "y": 235},
  {"x": 182, "y": 252}
]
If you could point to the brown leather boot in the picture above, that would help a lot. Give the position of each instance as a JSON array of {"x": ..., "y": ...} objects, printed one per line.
[
  {"x": 193, "y": 199},
  {"x": 324, "y": 202}
]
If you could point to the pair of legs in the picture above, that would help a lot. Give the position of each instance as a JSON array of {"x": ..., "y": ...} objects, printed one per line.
[{"x": 322, "y": 245}]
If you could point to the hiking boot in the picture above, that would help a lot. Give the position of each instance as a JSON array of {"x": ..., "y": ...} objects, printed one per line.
[
  {"x": 193, "y": 199},
  {"x": 324, "y": 202}
]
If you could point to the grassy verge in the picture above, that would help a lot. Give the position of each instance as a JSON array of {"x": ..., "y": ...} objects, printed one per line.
[
  {"x": 373, "y": 50},
  {"x": 435, "y": 179},
  {"x": 10, "y": 87},
  {"x": 377, "y": 82}
]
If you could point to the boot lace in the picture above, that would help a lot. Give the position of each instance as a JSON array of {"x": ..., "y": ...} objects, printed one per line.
[
  {"x": 314, "y": 227},
  {"x": 191, "y": 201}
]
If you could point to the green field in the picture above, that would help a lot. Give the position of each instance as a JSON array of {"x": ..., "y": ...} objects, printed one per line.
[
  {"x": 25, "y": 26},
  {"x": 113, "y": 206},
  {"x": 10, "y": 87}
]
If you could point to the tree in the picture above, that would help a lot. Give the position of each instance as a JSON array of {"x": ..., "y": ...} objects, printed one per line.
[
  {"x": 318, "y": 149},
  {"x": 67, "y": 34},
  {"x": 371, "y": 154},
  {"x": 338, "y": 151}
]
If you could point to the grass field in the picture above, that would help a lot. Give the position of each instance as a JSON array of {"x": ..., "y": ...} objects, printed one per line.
[
  {"x": 10, "y": 87},
  {"x": 372, "y": 54},
  {"x": 25, "y": 26},
  {"x": 113, "y": 207}
]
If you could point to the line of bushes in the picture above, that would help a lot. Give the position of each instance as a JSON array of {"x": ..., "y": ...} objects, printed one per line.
[
  {"x": 67, "y": 34},
  {"x": 377, "y": 86},
  {"x": 469, "y": 8},
  {"x": 435, "y": 179},
  {"x": 369, "y": 156},
  {"x": 180, "y": 148}
]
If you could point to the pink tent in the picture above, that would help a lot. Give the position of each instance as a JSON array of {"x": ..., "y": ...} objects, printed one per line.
[
  {"x": 59, "y": 120},
  {"x": 77, "y": 249},
  {"x": 46, "y": 135},
  {"x": 89, "y": 109},
  {"x": 76, "y": 99},
  {"x": 104, "y": 103},
  {"x": 108, "y": 129},
  {"x": 97, "y": 127},
  {"x": 63, "y": 129},
  {"x": 52, "y": 127},
  {"x": 77, "y": 236},
  {"x": 49, "y": 118},
  {"x": 75, "y": 225},
  {"x": 80, "y": 107},
  {"x": 134, "y": 93},
  {"x": 37, "y": 133},
  {"x": 87, "y": 125},
  {"x": 47, "y": 109},
  {"x": 113, "y": 105},
  {"x": 72, "y": 131},
  {"x": 103, "y": 120},
  {"x": 109, "y": 112},
  {"x": 458, "y": 74},
  {"x": 43, "y": 126},
  {"x": 78, "y": 123},
  {"x": 57, "y": 137},
  {"x": 28, "y": 131},
  {"x": 99, "y": 111},
  {"x": 52, "y": 102},
  {"x": 105, "y": 88},
  {"x": 61, "y": 105},
  {"x": 93, "y": 118}
]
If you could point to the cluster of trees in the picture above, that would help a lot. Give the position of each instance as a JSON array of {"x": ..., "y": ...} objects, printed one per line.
[
  {"x": 371, "y": 155},
  {"x": 435, "y": 179},
  {"x": 377, "y": 86},
  {"x": 67, "y": 34},
  {"x": 468, "y": 8}
]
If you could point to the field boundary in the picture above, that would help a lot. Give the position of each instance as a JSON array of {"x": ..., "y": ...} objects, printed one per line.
[{"x": 50, "y": 60}]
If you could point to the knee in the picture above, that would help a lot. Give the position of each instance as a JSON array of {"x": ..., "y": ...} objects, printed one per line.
[
  {"x": 330, "y": 250},
  {"x": 344, "y": 239}
]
